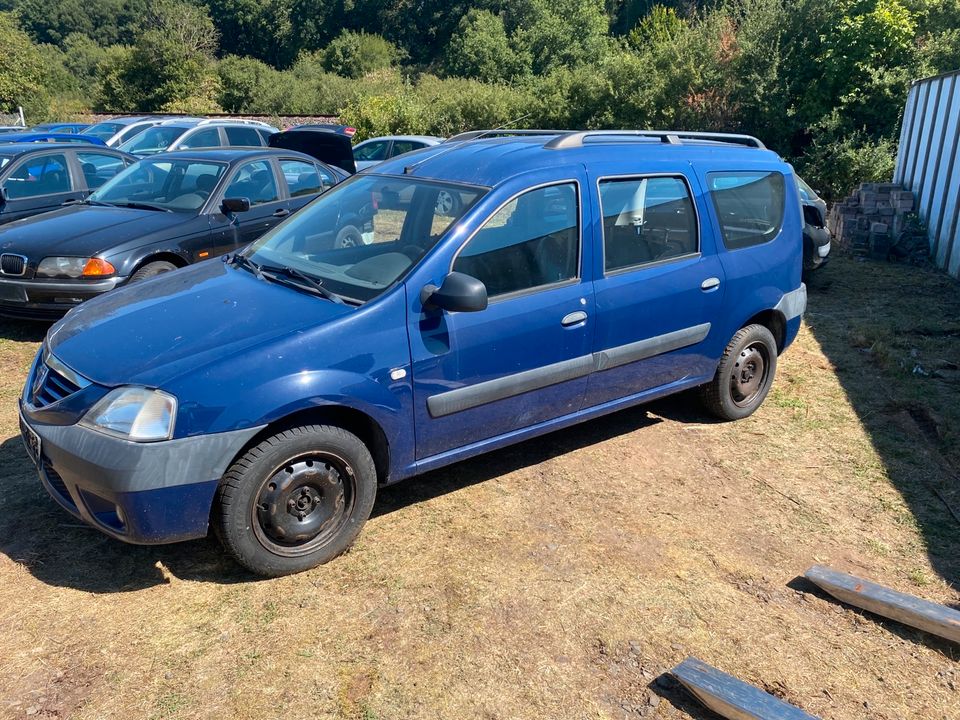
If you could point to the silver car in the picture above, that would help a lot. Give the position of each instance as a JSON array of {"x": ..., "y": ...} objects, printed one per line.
[{"x": 375, "y": 150}]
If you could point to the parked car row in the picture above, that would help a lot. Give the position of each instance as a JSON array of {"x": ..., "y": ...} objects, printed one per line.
[
  {"x": 269, "y": 396},
  {"x": 77, "y": 221}
]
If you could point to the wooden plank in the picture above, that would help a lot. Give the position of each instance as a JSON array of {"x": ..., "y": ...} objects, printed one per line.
[
  {"x": 907, "y": 609},
  {"x": 732, "y": 698}
]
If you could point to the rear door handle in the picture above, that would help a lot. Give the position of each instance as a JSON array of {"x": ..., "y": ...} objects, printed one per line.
[
  {"x": 710, "y": 283},
  {"x": 574, "y": 318},
  {"x": 281, "y": 213}
]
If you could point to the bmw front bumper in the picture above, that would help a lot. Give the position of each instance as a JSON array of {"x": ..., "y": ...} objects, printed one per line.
[{"x": 38, "y": 299}]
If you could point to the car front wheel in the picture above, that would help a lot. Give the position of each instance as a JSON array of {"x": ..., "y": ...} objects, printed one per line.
[
  {"x": 744, "y": 376},
  {"x": 295, "y": 500}
]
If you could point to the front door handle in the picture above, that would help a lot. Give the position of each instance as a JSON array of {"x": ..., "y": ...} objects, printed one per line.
[
  {"x": 282, "y": 212},
  {"x": 710, "y": 283},
  {"x": 574, "y": 318}
]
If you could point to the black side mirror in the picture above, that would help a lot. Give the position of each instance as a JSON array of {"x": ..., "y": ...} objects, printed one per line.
[
  {"x": 3, "y": 196},
  {"x": 235, "y": 205},
  {"x": 458, "y": 293}
]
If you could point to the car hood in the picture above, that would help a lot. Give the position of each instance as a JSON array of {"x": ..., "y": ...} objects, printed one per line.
[
  {"x": 84, "y": 230},
  {"x": 152, "y": 332}
]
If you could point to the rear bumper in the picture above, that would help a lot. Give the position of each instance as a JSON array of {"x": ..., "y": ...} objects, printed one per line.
[
  {"x": 48, "y": 299},
  {"x": 143, "y": 493}
]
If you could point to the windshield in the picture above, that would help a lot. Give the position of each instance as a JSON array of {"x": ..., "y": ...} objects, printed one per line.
[
  {"x": 366, "y": 233},
  {"x": 154, "y": 140},
  {"x": 178, "y": 185},
  {"x": 104, "y": 130}
]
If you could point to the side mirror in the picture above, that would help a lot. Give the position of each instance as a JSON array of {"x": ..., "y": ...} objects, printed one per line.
[
  {"x": 3, "y": 196},
  {"x": 235, "y": 205},
  {"x": 458, "y": 293}
]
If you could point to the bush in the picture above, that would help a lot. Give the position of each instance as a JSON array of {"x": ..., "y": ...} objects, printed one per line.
[
  {"x": 836, "y": 166},
  {"x": 353, "y": 54}
]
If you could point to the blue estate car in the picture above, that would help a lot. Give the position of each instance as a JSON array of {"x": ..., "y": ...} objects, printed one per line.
[{"x": 269, "y": 395}]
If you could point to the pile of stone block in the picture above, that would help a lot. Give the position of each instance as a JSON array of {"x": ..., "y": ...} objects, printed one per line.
[{"x": 871, "y": 221}]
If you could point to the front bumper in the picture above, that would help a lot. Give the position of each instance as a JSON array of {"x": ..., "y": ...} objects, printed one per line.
[
  {"x": 38, "y": 299},
  {"x": 144, "y": 493}
]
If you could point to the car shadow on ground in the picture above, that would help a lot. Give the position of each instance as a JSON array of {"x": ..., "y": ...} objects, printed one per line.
[
  {"x": 879, "y": 324},
  {"x": 59, "y": 550},
  {"x": 23, "y": 330}
]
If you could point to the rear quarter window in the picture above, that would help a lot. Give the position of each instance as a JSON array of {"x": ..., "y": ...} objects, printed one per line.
[{"x": 749, "y": 206}]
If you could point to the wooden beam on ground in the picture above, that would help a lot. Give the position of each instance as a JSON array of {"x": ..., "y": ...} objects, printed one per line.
[
  {"x": 732, "y": 698},
  {"x": 907, "y": 609}
]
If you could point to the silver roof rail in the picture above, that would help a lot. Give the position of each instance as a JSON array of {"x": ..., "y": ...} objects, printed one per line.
[
  {"x": 475, "y": 134},
  {"x": 671, "y": 137},
  {"x": 236, "y": 121}
]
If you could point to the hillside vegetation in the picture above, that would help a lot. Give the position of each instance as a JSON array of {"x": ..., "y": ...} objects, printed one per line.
[{"x": 821, "y": 81}]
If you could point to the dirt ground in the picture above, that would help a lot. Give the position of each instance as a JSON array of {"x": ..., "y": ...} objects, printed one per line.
[{"x": 556, "y": 579}]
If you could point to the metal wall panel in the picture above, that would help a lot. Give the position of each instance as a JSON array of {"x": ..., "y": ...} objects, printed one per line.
[{"x": 928, "y": 162}]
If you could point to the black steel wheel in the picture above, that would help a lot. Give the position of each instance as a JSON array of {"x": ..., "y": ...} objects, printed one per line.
[
  {"x": 295, "y": 500},
  {"x": 744, "y": 375}
]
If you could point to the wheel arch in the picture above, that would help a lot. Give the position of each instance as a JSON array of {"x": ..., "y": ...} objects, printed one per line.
[
  {"x": 350, "y": 419},
  {"x": 774, "y": 321}
]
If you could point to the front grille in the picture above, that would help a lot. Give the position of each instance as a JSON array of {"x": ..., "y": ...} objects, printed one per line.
[
  {"x": 52, "y": 388},
  {"x": 11, "y": 264},
  {"x": 54, "y": 381}
]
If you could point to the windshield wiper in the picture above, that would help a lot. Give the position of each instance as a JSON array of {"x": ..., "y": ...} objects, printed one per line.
[
  {"x": 98, "y": 203},
  {"x": 240, "y": 260},
  {"x": 280, "y": 271},
  {"x": 143, "y": 206}
]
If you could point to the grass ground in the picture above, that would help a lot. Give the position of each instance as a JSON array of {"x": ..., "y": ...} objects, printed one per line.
[{"x": 555, "y": 579}]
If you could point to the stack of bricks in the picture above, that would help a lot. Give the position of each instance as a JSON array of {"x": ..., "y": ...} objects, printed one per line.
[{"x": 870, "y": 220}]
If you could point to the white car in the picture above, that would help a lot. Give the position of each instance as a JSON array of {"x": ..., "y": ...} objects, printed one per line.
[
  {"x": 375, "y": 150},
  {"x": 118, "y": 130},
  {"x": 195, "y": 133}
]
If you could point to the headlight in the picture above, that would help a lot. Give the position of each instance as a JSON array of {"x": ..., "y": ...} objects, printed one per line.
[
  {"x": 74, "y": 267},
  {"x": 134, "y": 413}
]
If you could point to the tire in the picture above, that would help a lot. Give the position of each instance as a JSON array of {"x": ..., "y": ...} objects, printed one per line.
[
  {"x": 296, "y": 500},
  {"x": 744, "y": 376},
  {"x": 349, "y": 236},
  {"x": 152, "y": 269},
  {"x": 448, "y": 204}
]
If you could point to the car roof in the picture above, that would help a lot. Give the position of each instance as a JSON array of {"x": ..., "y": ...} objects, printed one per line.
[
  {"x": 227, "y": 154},
  {"x": 421, "y": 138},
  {"x": 490, "y": 161},
  {"x": 192, "y": 122},
  {"x": 128, "y": 120},
  {"x": 26, "y": 147},
  {"x": 46, "y": 140}
]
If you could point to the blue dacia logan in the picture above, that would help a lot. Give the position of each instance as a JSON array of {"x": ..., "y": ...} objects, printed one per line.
[{"x": 494, "y": 289}]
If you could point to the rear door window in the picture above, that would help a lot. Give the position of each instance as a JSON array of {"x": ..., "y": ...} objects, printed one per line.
[
  {"x": 372, "y": 151},
  {"x": 243, "y": 137},
  {"x": 254, "y": 181},
  {"x": 404, "y": 146},
  {"x": 302, "y": 177},
  {"x": 99, "y": 167},
  {"x": 43, "y": 175},
  {"x": 749, "y": 206},
  {"x": 646, "y": 220}
]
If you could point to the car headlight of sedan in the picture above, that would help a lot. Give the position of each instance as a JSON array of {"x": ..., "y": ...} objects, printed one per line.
[
  {"x": 74, "y": 267},
  {"x": 134, "y": 413}
]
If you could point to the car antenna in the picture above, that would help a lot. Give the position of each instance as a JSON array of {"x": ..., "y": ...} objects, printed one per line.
[{"x": 410, "y": 168}]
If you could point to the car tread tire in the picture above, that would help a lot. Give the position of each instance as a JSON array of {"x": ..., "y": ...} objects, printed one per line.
[
  {"x": 233, "y": 507},
  {"x": 152, "y": 269},
  {"x": 717, "y": 395}
]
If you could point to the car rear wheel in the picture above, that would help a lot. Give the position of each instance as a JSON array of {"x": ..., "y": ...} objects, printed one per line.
[
  {"x": 744, "y": 376},
  {"x": 295, "y": 500},
  {"x": 152, "y": 269},
  {"x": 348, "y": 237}
]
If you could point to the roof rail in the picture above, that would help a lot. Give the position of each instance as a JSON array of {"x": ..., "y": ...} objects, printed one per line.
[
  {"x": 237, "y": 121},
  {"x": 476, "y": 134},
  {"x": 672, "y": 137}
]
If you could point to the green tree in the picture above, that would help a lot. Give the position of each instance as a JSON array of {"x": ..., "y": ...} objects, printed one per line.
[
  {"x": 354, "y": 54},
  {"x": 480, "y": 49},
  {"x": 22, "y": 79},
  {"x": 107, "y": 22}
]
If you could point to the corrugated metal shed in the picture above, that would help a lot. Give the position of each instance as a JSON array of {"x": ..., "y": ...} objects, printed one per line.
[{"x": 928, "y": 162}]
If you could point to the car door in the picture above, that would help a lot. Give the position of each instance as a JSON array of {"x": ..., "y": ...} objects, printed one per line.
[
  {"x": 256, "y": 181},
  {"x": 525, "y": 359},
  {"x": 38, "y": 183},
  {"x": 659, "y": 286}
]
